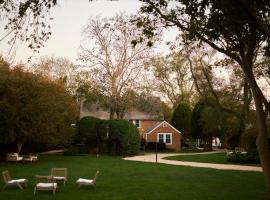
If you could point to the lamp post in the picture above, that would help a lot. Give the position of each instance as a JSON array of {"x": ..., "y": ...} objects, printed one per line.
[
  {"x": 107, "y": 132},
  {"x": 156, "y": 150},
  {"x": 107, "y": 137}
]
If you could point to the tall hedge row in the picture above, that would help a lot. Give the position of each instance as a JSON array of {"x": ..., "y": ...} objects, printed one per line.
[
  {"x": 113, "y": 136},
  {"x": 91, "y": 131},
  {"x": 124, "y": 137}
]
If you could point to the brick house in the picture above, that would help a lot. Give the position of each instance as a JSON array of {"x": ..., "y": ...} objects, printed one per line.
[
  {"x": 164, "y": 132},
  {"x": 150, "y": 126}
]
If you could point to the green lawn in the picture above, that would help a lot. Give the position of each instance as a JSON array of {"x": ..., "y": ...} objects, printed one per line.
[
  {"x": 120, "y": 179},
  {"x": 219, "y": 158}
]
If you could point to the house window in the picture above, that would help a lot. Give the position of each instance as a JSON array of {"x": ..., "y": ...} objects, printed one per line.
[
  {"x": 137, "y": 123},
  {"x": 160, "y": 138},
  {"x": 168, "y": 139},
  {"x": 165, "y": 137}
]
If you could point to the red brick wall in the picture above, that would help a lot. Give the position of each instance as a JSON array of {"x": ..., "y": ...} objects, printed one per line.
[
  {"x": 146, "y": 124},
  {"x": 176, "y": 137}
]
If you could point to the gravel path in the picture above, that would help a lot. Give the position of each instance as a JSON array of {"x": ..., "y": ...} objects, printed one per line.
[{"x": 160, "y": 159}]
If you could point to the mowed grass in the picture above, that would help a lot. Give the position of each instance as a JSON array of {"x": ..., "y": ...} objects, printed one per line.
[
  {"x": 219, "y": 158},
  {"x": 120, "y": 179}
]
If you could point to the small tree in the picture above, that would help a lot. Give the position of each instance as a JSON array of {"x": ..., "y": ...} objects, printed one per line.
[
  {"x": 181, "y": 118},
  {"x": 196, "y": 127}
]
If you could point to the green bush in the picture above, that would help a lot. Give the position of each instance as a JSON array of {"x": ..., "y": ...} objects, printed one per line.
[
  {"x": 91, "y": 132},
  {"x": 72, "y": 151},
  {"x": 113, "y": 136},
  {"x": 250, "y": 157},
  {"x": 88, "y": 130},
  {"x": 152, "y": 146},
  {"x": 124, "y": 137},
  {"x": 143, "y": 142},
  {"x": 76, "y": 150}
]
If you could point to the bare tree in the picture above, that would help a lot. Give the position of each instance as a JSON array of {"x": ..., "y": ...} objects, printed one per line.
[
  {"x": 173, "y": 78},
  {"x": 60, "y": 69},
  {"x": 114, "y": 62}
]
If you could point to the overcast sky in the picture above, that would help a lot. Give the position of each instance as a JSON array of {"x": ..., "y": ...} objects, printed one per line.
[{"x": 70, "y": 16}]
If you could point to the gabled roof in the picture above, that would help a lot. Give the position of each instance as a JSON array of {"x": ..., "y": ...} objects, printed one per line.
[
  {"x": 151, "y": 129},
  {"x": 97, "y": 111}
]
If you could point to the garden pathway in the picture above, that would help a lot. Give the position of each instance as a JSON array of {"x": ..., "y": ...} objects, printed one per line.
[{"x": 160, "y": 159}]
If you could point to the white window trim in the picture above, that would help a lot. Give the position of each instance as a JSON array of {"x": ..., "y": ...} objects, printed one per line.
[
  {"x": 164, "y": 138},
  {"x": 134, "y": 122}
]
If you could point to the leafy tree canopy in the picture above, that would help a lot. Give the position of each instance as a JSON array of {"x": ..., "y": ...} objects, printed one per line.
[
  {"x": 181, "y": 117},
  {"x": 34, "y": 109}
]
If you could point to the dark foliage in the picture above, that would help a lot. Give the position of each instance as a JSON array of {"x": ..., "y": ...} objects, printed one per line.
[
  {"x": 250, "y": 157},
  {"x": 118, "y": 137},
  {"x": 124, "y": 138},
  {"x": 181, "y": 118},
  {"x": 161, "y": 146},
  {"x": 34, "y": 109}
]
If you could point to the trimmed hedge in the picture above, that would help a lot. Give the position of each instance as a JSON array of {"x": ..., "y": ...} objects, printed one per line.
[
  {"x": 91, "y": 131},
  {"x": 124, "y": 138},
  {"x": 113, "y": 136}
]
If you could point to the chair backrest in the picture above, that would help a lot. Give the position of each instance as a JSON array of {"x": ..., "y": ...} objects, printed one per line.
[
  {"x": 6, "y": 176},
  {"x": 59, "y": 172},
  {"x": 12, "y": 155},
  {"x": 96, "y": 175},
  {"x": 239, "y": 149},
  {"x": 33, "y": 154}
]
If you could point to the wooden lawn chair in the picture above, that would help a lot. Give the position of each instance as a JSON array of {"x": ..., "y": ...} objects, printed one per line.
[
  {"x": 88, "y": 182},
  {"x": 13, "y": 182},
  {"x": 59, "y": 174},
  {"x": 45, "y": 183}
]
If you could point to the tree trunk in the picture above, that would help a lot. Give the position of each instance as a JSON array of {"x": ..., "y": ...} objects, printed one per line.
[
  {"x": 112, "y": 113},
  {"x": 262, "y": 139},
  {"x": 226, "y": 142},
  {"x": 19, "y": 147},
  {"x": 210, "y": 145}
]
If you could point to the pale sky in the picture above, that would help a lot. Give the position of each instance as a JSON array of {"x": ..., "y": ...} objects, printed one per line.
[{"x": 70, "y": 16}]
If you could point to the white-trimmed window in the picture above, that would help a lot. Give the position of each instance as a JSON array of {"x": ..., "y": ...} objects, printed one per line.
[
  {"x": 164, "y": 137},
  {"x": 136, "y": 122},
  {"x": 160, "y": 137}
]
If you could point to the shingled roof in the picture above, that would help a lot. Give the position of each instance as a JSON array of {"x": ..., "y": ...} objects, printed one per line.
[{"x": 94, "y": 110}]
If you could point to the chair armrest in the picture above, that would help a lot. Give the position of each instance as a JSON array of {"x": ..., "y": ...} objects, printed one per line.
[{"x": 41, "y": 179}]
